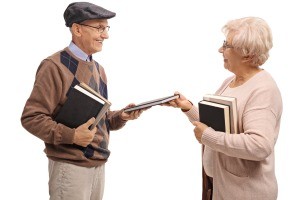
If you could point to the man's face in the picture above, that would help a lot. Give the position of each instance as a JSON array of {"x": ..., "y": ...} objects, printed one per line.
[{"x": 92, "y": 34}]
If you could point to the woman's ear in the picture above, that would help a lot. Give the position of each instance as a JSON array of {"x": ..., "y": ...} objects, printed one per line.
[{"x": 247, "y": 58}]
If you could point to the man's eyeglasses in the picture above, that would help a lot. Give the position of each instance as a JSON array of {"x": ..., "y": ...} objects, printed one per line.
[
  {"x": 225, "y": 45},
  {"x": 100, "y": 29}
]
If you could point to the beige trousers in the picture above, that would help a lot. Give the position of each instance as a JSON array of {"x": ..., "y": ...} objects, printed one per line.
[{"x": 71, "y": 182}]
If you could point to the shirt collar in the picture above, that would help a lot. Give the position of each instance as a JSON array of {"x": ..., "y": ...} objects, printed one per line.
[{"x": 79, "y": 53}]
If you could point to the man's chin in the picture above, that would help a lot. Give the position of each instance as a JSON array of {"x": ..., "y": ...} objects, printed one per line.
[{"x": 98, "y": 49}]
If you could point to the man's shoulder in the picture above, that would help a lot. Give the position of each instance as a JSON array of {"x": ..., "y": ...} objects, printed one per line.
[
  {"x": 60, "y": 60},
  {"x": 57, "y": 55},
  {"x": 63, "y": 58}
]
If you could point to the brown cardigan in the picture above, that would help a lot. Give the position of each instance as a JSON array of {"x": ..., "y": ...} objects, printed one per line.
[{"x": 54, "y": 77}]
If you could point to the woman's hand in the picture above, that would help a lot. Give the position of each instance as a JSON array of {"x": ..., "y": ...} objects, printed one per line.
[
  {"x": 199, "y": 129},
  {"x": 182, "y": 102}
]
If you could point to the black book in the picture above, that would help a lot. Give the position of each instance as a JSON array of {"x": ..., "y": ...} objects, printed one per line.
[
  {"x": 231, "y": 102},
  {"x": 215, "y": 115},
  {"x": 82, "y": 104}
]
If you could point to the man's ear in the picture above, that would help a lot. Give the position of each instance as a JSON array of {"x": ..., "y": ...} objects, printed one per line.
[{"x": 76, "y": 29}]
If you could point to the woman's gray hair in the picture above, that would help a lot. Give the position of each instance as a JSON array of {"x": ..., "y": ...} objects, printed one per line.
[{"x": 251, "y": 37}]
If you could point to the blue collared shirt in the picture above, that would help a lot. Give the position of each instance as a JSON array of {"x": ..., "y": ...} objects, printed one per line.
[{"x": 79, "y": 53}]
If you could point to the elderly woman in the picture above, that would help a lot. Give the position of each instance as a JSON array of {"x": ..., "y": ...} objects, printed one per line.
[{"x": 242, "y": 166}]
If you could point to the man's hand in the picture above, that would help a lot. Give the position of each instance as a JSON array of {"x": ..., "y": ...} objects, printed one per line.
[
  {"x": 84, "y": 136},
  {"x": 133, "y": 114}
]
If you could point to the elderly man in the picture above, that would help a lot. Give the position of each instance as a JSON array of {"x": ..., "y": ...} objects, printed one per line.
[{"x": 76, "y": 155}]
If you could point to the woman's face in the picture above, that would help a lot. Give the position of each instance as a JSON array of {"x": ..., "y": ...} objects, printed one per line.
[{"x": 232, "y": 59}]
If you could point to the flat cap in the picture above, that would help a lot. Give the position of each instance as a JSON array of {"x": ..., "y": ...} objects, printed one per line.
[{"x": 80, "y": 11}]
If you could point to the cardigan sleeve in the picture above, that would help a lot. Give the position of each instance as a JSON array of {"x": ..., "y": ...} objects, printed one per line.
[
  {"x": 115, "y": 120},
  {"x": 192, "y": 114},
  {"x": 260, "y": 118},
  {"x": 38, "y": 111}
]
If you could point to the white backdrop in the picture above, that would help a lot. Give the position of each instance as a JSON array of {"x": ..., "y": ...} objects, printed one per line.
[{"x": 155, "y": 48}]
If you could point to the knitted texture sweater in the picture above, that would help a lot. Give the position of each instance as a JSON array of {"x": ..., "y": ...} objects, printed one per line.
[
  {"x": 54, "y": 78},
  {"x": 243, "y": 165}
]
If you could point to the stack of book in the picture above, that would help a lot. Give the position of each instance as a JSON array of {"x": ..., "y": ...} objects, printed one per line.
[{"x": 219, "y": 112}]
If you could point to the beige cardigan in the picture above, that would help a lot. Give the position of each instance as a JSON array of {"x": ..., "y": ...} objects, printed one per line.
[{"x": 243, "y": 165}]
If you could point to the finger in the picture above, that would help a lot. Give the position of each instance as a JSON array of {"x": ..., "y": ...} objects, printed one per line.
[
  {"x": 181, "y": 96},
  {"x": 94, "y": 130},
  {"x": 90, "y": 121},
  {"x": 130, "y": 105},
  {"x": 136, "y": 115},
  {"x": 173, "y": 103},
  {"x": 131, "y": 115}
]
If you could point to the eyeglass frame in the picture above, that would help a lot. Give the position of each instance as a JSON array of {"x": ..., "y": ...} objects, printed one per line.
[
  {"x": 225, "y": 45},
  {"x": 100, "y": 29}
]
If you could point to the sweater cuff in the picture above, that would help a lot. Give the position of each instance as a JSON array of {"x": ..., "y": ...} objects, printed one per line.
[
  {"x": 193, "y": 114},
  {"x": 119, "y": 118},
  {"x": 116, "y": 121},
  {"x": 183, "y": 110},
  {"x": 65, "y": 135},
  {"x": 210, "y": 137}
]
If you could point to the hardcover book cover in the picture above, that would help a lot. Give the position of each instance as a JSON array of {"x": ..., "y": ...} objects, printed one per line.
[
  {"x": 80, "y": 106},
  {"x": 215, "y": 115}
]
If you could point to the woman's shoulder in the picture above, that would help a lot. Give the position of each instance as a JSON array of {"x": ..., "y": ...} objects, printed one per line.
[
  {"x": 225, "y": 84},
  {"x": 266, "y": 81}
]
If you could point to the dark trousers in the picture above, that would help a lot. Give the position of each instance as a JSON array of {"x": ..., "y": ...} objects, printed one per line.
[{"x": 207, "y": 184}]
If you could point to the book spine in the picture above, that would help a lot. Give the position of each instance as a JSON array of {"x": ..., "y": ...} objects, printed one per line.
[{"x": 100, "y": 115}]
